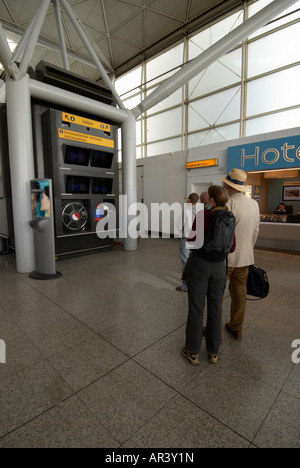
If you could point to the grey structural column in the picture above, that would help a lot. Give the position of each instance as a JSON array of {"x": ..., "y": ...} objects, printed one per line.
[
  {"x": 5, "y": 53},
  {"x": 21, "y": 168},
  {"x": 129, "y": 178},
  {"x": 32, "y": 41},
  {"x": 61, "y": 34}
]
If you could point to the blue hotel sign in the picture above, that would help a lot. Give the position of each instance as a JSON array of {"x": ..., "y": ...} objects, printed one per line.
[{"x": 283, "y": 153}]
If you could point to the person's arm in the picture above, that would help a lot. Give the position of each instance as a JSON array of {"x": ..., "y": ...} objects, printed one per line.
[
  {"x": 256, "y": 230},
  {"x": 233, "y": 245}
]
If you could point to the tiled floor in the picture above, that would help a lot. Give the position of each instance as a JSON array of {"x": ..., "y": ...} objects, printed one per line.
[{"x": 93, "y": 359}]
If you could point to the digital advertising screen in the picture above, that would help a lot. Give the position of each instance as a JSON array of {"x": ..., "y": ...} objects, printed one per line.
[{"x": 40, "y": 199}]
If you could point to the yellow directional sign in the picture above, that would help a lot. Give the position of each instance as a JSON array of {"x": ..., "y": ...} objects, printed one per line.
[
  {"x": 83, "y": 138},
  {"x": 203, "y": 163},
  {"x": 70, "y": 118}
]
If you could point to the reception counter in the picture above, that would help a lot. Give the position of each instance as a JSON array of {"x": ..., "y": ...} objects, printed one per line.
[{"x": 280, "y": 235}]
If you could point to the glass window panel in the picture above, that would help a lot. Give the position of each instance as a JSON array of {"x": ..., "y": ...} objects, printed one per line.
[
  {"x": 225, "y": 72},
  {"x": 274, "y": 51},
  {"x": 274, "y": 92},
  {"x": 273, "y": 122},
  {"x": 173, "y": 100},
  {"x": 164, "y": 125},
  {"x": 165, "y": 62},
  {"x": 139, "y": 132},
  {"x": 164, "y": 147},
  {"x": 211, "y": 35},
  {"x": 196, "y": 121},
  {"x": 132, "y": 102},
  {"x": 129, "y": 81},
  {"x": 258, "y": 6},
  {"x": 208, "y": 137},
  {"x": 161, "y": 78},
  {"x": 12, "y": 45},
  {"x": 138, "y": 152},
  {"x": 130, "y": 94},
  {"x": 218, "y": 108},
  {"x": 287, "y": 16}
]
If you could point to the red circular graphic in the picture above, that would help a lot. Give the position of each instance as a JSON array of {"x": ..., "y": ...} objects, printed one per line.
[{"x": 76, "y": 216}]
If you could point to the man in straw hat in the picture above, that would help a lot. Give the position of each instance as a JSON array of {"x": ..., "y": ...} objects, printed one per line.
[{"x": 247, "y": 216}]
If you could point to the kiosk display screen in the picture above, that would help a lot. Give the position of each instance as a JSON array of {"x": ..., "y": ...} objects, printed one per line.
[
  {"x": 40, "y": 199},
  {"x": 102, "y": 186},
  {"x": 78, "y": 184},
  {"x": 77, "y": 156},
  {"x": 102, "y": 159}
]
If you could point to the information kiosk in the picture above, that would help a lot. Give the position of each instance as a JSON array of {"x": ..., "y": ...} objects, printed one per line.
[
  {"x": 42, "y": 224},
  {"x": 80, "y": 157},
  {"x": 78, "y": 153}
]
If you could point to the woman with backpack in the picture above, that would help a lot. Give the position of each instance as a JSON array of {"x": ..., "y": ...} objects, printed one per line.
[{"x": 207, "y": 276}]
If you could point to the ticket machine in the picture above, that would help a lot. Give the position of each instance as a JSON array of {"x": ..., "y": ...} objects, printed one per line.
[{"x": 80, "y": 156}]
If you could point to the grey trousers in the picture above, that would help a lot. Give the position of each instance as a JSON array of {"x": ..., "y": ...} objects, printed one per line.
[
  {"x": 184, "y": 256},
  {"x": 205, "y": 279}
]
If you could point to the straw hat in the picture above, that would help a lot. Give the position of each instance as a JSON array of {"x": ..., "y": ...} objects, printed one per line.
[{"x": 236, "y": 179}]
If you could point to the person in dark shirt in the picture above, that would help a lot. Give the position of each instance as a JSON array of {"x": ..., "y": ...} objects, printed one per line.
[
  {"x": 205, "y": 278},
  {"x": 281, "y": 210}
]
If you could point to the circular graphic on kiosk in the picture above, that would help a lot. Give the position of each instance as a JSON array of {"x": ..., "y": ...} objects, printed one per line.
[{"x": 74, "y": 216}]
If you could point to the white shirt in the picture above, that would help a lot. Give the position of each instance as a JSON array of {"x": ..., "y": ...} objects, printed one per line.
[
  {"x": 185, "y": 222},
  {"x": 247, "y": 216}
]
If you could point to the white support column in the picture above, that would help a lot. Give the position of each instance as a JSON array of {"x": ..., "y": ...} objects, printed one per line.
[
  {"x": 61, "y": 34},
  {"x": 129, "y": 174},
  {"x": 24, "y": 40},
  {"x": 34, "y": 36},
  {"x": 21, "y": 168},
  {"x": 91, "y": 51},
  {"x": 5, "y": 53},
  {"x": 2, "y": 92},
  {"x": 62, "y": 97}
]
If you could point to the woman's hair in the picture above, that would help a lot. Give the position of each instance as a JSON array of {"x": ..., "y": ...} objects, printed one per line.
[
  {"x": 46, "y": 190},
  {"x": 219, "y": 194}
]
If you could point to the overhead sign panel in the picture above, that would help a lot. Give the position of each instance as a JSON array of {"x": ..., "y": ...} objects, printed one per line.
[
  {"x": 84, "y": 138},
  {"x": 75, "y": 119},
  {"x": 203, "y": 163},
  {"x": 282, "y": 153}
]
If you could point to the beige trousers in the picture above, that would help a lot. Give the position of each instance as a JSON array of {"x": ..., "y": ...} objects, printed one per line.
[{"x": 238, "y": 290}]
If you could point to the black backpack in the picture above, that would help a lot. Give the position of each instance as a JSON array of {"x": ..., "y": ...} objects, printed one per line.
[{"x": 219, "y": 236}]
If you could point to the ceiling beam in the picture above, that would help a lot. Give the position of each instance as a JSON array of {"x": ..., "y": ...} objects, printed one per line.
[{"x": 48, "y": 44}]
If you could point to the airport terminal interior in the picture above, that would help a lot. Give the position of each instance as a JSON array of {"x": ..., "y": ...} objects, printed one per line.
[{"x": 105, "y": 104}]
